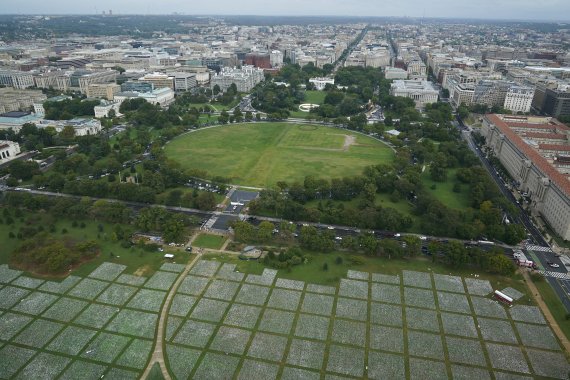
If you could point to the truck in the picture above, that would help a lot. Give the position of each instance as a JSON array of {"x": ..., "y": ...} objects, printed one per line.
[
  {"x": 502, "y": 297},
  {"x": 522, "y": 261}
]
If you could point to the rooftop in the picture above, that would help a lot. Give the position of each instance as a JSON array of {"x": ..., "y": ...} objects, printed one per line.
[{"x": 513, "y": 127}]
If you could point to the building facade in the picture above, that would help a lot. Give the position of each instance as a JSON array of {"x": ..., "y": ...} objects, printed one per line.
[
  {"x": 519, "y": 99},
  {"x": 245, "y": 78},
  {"x": 422, "y": 92},
  {"x": 320, "y": 83},
  {"x": 8, "y": 150},
  {"x": 159, "y": 80},
  {"x": 16, "y": 79},
  {"x": 103, "y": 90},
  {"x": 536, "y": 153}
]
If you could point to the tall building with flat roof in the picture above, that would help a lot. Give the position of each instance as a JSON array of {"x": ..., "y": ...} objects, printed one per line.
[
  {"x": 16, "y": 79},
  {"x": 536, "y": 152},
  {"x": 159, "y": 80},
  {"x": 103, "y": 90}
]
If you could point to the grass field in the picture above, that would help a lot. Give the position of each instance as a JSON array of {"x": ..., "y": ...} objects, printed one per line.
[
  {"x": 262, "y": 154},
  {"x": 444, "y": 190},
  {"x": 209, "y": 241},
  {"x": 315, "y": 97}
]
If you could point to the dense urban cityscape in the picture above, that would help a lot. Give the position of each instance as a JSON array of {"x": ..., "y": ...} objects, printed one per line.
[{"x": 283, "y": 197}]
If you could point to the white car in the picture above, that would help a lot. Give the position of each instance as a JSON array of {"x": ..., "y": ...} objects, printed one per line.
[
  {"x": 423, "y": 238},
  {"x": 338, "y": 238}
]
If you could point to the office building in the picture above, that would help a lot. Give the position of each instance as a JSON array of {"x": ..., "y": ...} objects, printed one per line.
[
  {"x": 158, "y": 80},
  {"x": 184, "y": 81},
  {"x": 136, "y": 86},
  {"x": 103, "y": 90},
  {"x": 16, "y": 79},
  {"x": 536, "y": 152},
  {"x": 245, "y": 78},
  {"x": 80, "y": 80},
  {"x": 19, "y": 100},
  {"x": 519, "y": 99}
]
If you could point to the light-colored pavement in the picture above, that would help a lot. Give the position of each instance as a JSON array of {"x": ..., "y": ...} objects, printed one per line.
[{"x": 158, "y": 354}]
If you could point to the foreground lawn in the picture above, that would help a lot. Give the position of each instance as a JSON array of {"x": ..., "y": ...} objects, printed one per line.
[
  {"x": 209, "y": 241},
  {"x": 262, "y": 154}
]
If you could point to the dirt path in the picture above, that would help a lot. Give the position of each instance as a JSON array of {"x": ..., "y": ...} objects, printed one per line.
[
  {"x": 158, "y": 354},
  {"x": 546, "y": 311},
  {"x": 348, "y": 142}
]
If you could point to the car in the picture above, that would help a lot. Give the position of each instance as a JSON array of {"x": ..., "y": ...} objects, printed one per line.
[
  {"x": 188, "y": 249},
  {"x": 330, "y": 228},
  {"x": 160, "y": 249},
  {"x": 397, "y": 235},
  {"x": 553, "y": 265},
  {"x": 424, "y": 238},
  {"x": 338, "y": 238}
]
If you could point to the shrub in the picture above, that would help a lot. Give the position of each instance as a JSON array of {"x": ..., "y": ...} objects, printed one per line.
[
  {"x": 64, "y": 230},
  {"x": 356, "y": 260},
  {"x": 338, "y": 260},
  {"x": 325, "y": 267}
]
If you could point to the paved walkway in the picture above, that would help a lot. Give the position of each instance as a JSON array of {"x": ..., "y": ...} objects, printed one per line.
[
  {"x": 158, "y": 355},
  {"x": 546, "y": 311}
]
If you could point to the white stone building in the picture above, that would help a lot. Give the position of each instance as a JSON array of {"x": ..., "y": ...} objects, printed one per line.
[
  {"x": 320, "y": 83},
  {"x": 422, "y": 92},
  {"x": 519, "y": 99},
  {"x": 245, "y": 78},
  {"x": 160, "y": 96},
  {"x": 8, "y": 150}
]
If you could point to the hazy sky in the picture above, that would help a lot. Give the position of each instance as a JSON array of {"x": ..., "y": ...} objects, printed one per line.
[{"x": 505, "y": 9}]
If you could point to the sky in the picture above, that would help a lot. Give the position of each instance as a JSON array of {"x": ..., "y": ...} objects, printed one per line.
[{"x": 556, "y": 10}]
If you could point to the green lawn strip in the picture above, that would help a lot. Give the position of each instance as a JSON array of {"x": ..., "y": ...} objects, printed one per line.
[
  {"x": 554, "y": 305},
  {"x": 162, "y": 197},
  {"x": 209, "y": 241}
]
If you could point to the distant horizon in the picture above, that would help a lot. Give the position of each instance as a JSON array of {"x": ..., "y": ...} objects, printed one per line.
[
  {"x": 462, "y": 18},
  {"x": 519, "y": 10}
]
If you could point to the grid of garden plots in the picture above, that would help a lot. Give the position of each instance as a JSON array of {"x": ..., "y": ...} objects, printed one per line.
[
  {"x": 224, "y": 324},
  {"x": 80, "y": 328}
]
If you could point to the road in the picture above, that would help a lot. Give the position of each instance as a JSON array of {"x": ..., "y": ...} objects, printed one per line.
[{"x": 559, "y": 284}]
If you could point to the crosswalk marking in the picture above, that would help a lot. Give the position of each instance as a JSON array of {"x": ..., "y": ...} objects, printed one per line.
[
  {"x": 538, "y": 248},
  {"x": 562, "y": 276}
]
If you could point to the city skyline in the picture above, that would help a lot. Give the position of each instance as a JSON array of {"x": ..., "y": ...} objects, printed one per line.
[{"x": 548, "y": 10}]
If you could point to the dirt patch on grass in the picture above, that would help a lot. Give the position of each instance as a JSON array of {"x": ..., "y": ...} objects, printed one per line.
[
  {"x": 348, "y": 142},
  {"x": 143, "y": 270}
]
